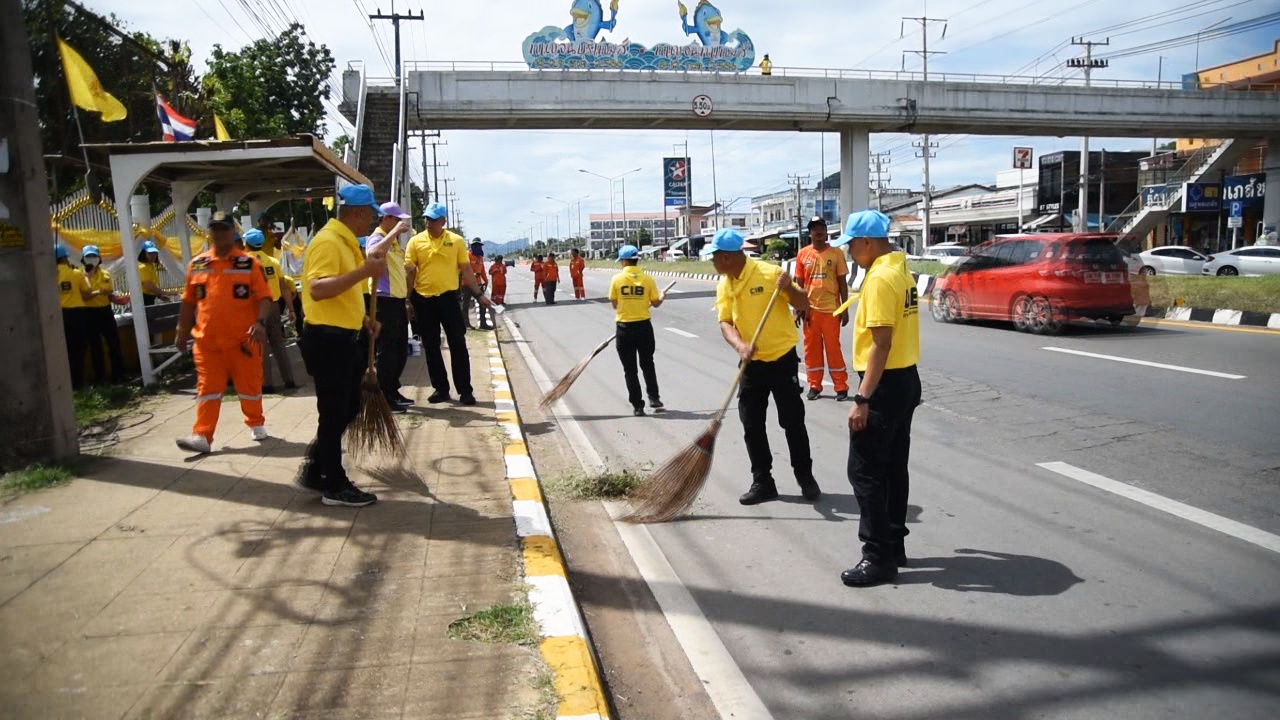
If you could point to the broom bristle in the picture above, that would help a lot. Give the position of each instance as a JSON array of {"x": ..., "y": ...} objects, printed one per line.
[
  {"x": 566, "y": 382},
  {"x": 375, "y": 428},
  {"x": 671, "y": 490}
]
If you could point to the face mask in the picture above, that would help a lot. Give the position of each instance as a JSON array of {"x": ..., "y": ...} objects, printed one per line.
[{"x": 90, "y": 264}]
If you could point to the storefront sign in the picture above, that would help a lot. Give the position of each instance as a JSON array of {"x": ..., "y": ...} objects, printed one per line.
[
  {"x": 577, "y": 46},
  {"x": 1249, "y": 189},
  {"x": 1155, "y": 195},
  {"x": 1201, "y": 197}
]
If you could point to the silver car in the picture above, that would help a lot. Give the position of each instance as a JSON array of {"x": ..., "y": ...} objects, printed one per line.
[{"x": 1253, "y": 260}]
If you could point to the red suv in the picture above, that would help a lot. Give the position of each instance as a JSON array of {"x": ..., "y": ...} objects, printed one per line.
[{"x": 1038, "y": 282}]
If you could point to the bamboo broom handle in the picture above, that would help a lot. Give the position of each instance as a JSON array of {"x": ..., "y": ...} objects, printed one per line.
[{"x": 742, "y": 369}]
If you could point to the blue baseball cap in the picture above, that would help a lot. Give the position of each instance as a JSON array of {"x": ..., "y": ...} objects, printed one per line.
[
  {"x": 90, "y": 250},
  {"x": 59, "y": 252},
  {"x": 150, "y": 247},
  {"x": 359, "y": 196},
  {"x": 864, "y": 224},
  {"x": 435, "y": 211},
  {"x": 254, "y": 238},
  {"x": 628, "y": 252},
  {"x": 727, "y": 240}
]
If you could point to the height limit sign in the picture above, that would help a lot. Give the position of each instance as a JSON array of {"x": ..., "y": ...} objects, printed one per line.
[{"x": 1022, "y": 158}]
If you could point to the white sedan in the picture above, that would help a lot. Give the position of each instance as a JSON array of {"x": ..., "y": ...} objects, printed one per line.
[
  {"x": 1252, "y": 260},
  {"x": 1172, "y": 260},
  {"x": 946, "y": 253}
]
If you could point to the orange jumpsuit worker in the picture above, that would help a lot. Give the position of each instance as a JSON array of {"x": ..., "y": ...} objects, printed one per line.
[
  {"x": 538, "y": 268},
  {"x": 576, "y": 266},
  {"x": 227, "y": 300},
  {"x": 823, "y": 272},
  {"x": 475, "y": 257},
  {"x": 550, "y": 279},
  {"x": 498, "y": 278}
]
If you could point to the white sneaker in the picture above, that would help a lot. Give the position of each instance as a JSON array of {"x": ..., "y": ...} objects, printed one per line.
[
  {"x": 259, "y": 433},
  {"x": 194, "y": 443}
]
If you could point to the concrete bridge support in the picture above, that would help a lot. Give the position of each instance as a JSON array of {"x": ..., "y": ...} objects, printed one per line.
[
  {"x": 1271, "y": 204},
  {"x": 855, "y": 172}
]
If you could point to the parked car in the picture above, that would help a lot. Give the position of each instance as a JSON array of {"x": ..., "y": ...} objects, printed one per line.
[
  {"x": 1252, "y": 260},
  {"x": 509, "y": 262},
  {"x": 1172, "y": 260},
  {"x": 1037, "y": 282},
  {"x": 674, "y": 256},
  {"x": 946, "y": 253}
]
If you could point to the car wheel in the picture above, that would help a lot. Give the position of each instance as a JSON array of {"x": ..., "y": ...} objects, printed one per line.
[
  {"x": 1228, "y": 270},
  {"x": 1044, "y": 321},
  {"x": 1147, "y": 270},
  {"x": 951, "y": 305},
  {"x": 1115, "y": 320},
  {"x": 1021, "y": 314}
]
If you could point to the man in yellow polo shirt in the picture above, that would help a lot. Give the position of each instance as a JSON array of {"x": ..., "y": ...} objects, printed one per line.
[
  {"x": 437, "y": 264},
  {"x": 886, "y": 348},
  {"x": 334, "y": 277},
  {"x": 773, "y": 366},
  {"x": 391, "y": 292},
  {"x": 633, "y": 293},
  {"x": 280, "y": 289},
  {"x": 73, "y": 293}
]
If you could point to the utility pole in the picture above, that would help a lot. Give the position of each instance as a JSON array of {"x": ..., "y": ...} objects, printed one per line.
[
  {"x": 878, "y": 163},
  {"x": 435, "y": 164},
  {"x": 34, "y": 373},
  {"x": 799, "y": 180},
  {"x": 1089, "y": 64},
  {"x": 396, "y": 19},
  {"x": 926, "y": 147}
]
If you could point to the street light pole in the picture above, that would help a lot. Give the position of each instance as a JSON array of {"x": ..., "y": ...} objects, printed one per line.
[{"x": 612, "y": 222}]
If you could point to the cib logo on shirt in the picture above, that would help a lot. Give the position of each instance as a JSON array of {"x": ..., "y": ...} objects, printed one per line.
[
  {"x": 758, "y": 290},
  {"x": 631, "y": 290}
]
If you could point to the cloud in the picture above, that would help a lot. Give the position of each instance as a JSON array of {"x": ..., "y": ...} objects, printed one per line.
[{"x": 501, "y": 178}]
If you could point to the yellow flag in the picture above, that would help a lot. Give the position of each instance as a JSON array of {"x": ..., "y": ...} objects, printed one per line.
[
  {"x": 86, "y": 91},
  {"x": 328, "y": 203},
  {"x": 220, "y": 130}
]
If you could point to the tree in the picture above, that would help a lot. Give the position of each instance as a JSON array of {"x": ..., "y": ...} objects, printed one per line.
[
  {"x": 778, "y": 249},
  {"x": 643, "y": 237},
  {"x": 271, "y": 88}
]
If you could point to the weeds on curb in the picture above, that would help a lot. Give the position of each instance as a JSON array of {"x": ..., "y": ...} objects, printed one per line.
[
  {"x": 32, "y": 478},
  {"x": 599, "y": 486}
]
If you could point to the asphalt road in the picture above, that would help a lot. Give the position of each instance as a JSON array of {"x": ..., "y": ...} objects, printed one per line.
[{"x": 1031, "y": 593}]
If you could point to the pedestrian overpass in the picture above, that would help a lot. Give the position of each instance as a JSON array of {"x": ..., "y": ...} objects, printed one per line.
[{"x": 853, "y": 103}]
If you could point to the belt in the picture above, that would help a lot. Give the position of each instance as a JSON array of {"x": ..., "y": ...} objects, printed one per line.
[{"x": 331, "y": 331}]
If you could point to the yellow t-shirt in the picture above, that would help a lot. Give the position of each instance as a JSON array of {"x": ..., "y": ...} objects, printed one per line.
[
  {"x": 333, "y": 251},
  {"x": 392, "y": 284},
  {"x": 99, "y": 281},
  {"x": 635, "y": 292},
  {"x": 148, "y": 273},
  {"x": 889, "y": 299},
  {"x": 742, "y": 301},
  {"x": 820, "y": 273},
  {"x": 438, "y": 261},
  {"x": 70, "y": 283},
  {"x": 271, "y": 267}
]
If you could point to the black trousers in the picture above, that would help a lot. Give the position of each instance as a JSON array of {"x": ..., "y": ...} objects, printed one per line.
[
  {"x": 431, "y": 314},
  {"x": 393, "y": 343},
  {"x": 335, "y": 360},
  {"x": 635, "y": 345},
  {"x": 73, "y": 320},
  {"x": 549, "y": 292},
  {"x": 781, "y": 379},
  {"x": 878, "y": 458},
  {"x": 100, "y": 327}
]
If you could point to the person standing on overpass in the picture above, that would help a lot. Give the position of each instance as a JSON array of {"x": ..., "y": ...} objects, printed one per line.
[
  {"x": 773, "y": 369},
  {"x": 886, "y": 349},
  {"x": 633, "y": 293},
  {"x": 823, "y": 272}
]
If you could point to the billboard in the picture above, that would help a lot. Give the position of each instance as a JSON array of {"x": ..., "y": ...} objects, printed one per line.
[
  {"x": 1251, "y": 189},
  {"x": 675, "y": 181},
  {"x": 1201, "y": 197}
]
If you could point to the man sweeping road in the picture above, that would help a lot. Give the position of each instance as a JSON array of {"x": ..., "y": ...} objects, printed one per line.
[
  {"x": 823, "y": 272},
  {"x": 886, "y": 348},
  {"x": 742, "y": 299},
  {"x": 633, "y": 293}
]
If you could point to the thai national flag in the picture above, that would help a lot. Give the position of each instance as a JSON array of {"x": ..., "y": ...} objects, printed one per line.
[{"x": 176, "y": 128}]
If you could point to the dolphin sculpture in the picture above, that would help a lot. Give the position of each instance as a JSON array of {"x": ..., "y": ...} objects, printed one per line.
[
  {"x": 706, "y": 24},
  {"x": 588, "y": 20}
]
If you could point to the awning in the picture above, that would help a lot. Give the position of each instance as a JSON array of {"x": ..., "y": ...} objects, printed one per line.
[{"x": 1043, "y": 220}]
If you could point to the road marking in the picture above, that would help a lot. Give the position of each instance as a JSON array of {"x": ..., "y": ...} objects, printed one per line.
[
  {"x": 681, "y": 333},
  {"x": 1204, "y": 518},
  {"x": 721, "y": 677},
  {"x": 1147, "y": 363},
  {"x": 1207, "y": 326}
]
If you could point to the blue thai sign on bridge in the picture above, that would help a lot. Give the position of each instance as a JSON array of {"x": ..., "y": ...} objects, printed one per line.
[{"x": 577, "y": 46}]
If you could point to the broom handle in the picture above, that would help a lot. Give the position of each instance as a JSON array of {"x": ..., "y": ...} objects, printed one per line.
[{"x": 742, "y": 369}]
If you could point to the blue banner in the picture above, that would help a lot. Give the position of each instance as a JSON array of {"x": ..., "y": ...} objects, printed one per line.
[
  {"x": 1201, "y": 197},
  {"x": 1250, "y": 189},
  {"x": 1157, "y": 195}
]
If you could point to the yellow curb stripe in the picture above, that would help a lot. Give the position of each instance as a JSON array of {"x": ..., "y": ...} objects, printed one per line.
[
  {"x": 526, "y": 489},
  {"x": 542, "y": 557},
  {"x": 517, "y": 447},
  {"x": 508, "y": 417},
  {"x": 503, "y": 395},
  {"x": 575, "y": 677}
]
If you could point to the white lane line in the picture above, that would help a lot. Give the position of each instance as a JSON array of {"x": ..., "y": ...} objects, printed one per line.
[
  {"x": 681, "y": 333},
  {"x": 723, "y": 680},
  {"x": 1147, "y": 363},
  {"x": 1204, "y": 518}
]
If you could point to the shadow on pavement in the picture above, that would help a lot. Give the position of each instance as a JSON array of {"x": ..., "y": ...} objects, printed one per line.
[{"x": 991, "y": 572}]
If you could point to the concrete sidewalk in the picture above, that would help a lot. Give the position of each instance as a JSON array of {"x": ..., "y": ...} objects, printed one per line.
[{"x": 162, "y": 586}]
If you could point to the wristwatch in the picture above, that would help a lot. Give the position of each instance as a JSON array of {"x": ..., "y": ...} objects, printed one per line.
[{"x": 861, "y": 399}]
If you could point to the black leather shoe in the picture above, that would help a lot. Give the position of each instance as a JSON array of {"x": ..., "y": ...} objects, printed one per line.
[
  {"x": 638, "y": 411},
  {"x": 842, "y": 396},
  {"x": 809, "y": 489},
  {"x": 864, "y": 574},
  {"x": 813, "y": 394},
  {"x": 657, "y": 405},
  {"x": 439, "y": 396},
  {"x": 467, "y": 399},
  {"x": 759, "y": 493},
  {"x": 901, "y": 557}
]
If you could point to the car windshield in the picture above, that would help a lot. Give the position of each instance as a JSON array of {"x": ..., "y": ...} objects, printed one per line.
[{"x": 1095, "y": 251}]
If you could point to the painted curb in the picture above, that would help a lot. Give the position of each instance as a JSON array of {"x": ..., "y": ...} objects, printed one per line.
[{"x": 566, "y": 647}]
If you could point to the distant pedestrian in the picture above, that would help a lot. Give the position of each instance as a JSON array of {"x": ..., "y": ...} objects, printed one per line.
[
  {"x": 577, "y": 267},
  {"x": 281, "y": 298},
  {"x": 823, "y": 272},
  {"x": 73, "y": 292},
  {"x": 476, "y": 259},
  {"x": 224, "y": 310},
  {"x": 633, "y": 293},
  {"x": 538, "y": 269},
  {"x": 498, "y": 280},
  {"x": 391, "y": 291},
  {"x": 886, "y": 349},
  {"x": 550, "y": 279},
  {"x": 438, "y": 266},
  {"x": 99, "y": 319},
  {"x": 773, "y": 368}
]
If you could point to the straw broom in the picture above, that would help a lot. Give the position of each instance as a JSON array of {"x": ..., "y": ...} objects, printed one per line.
[
  {"x": 375, "y": 428},
  {"x": 673, "y": 488},
  {"x": 566, "y": 382}
]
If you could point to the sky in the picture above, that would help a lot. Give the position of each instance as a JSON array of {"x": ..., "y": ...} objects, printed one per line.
[{"x": 502, "y": 178}]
